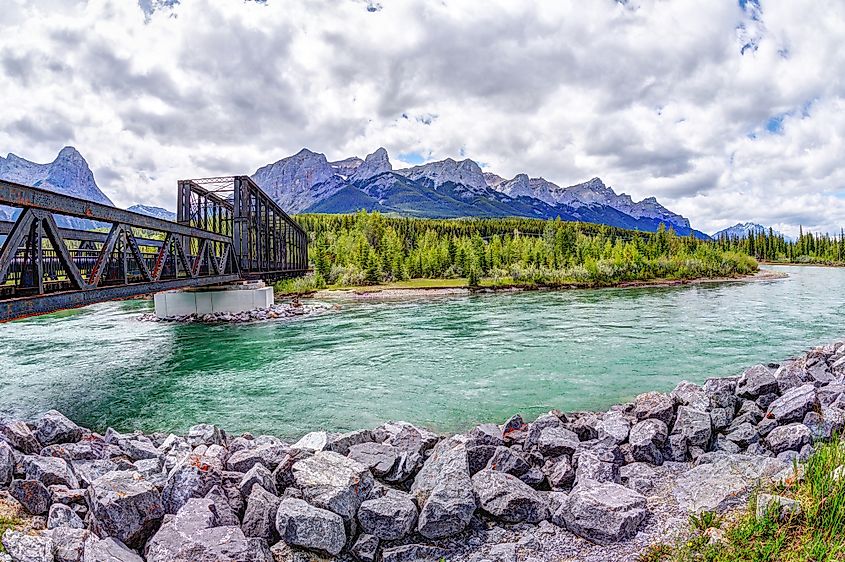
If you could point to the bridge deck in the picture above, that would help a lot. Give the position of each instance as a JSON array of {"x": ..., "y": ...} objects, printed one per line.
[{"x": 44, "y": 268}]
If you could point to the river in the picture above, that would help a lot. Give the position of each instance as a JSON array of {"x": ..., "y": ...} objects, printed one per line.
[{"x": 443, "y": 362}]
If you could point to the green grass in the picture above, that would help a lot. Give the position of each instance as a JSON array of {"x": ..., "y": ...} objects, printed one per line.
[
  {"x": 7, "y": 523},
  {"x": 815, "y": 534}
]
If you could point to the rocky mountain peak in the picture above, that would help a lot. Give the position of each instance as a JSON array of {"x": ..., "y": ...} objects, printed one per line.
[
  {"x": 374, "y": 164},
  {"x": 298, "y": 181},
  {"x": 465, "y": 172}
]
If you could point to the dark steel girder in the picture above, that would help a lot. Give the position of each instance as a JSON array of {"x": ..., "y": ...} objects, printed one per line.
[{"x": 23, "y": 307}]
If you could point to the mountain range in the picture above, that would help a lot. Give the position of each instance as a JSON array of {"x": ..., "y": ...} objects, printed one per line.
[
  {"x": 743, "y": 230},
  {"x": 308, "y": 182}
]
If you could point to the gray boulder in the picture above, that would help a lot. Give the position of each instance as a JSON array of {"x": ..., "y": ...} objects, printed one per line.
[
  {"x": 505, "y": 459},
  {"x": 743, "y": 435},
  {"x": 791, "y": 375},
  {"x": 638, "y": 476},
  {"x": 390, "y": 517},
  {"x": 260, "y": 515},
  {"x": 27, "y": 548},
  {"x": 413, "y": 553},
  {"x": 193, "y": 478},
  {"x": 7, "y": 464},
  {"x": 614, "y": 425},
  {"x": 794, "y": 404},
  {"x": 257, "y": 475},
  {"x": 479, "y": 456},
  {"x": 756, "y": 381},
  {"x": 694, "y": 425},
  {"x": 604, "y": 513},
  {"x": 334, "y": 482},
  {"x": 443, "y": 489},
  {"x": 654, "y": 405},
  {"x": 586, "y": 427},
  {"x": 675, "y": 449},
  {"x": 830, "y": 393},
  {"x": 647, "y": 439},
  {"x": 87, "y": 471},
  {"x": 61, "y": 515},
  {"x": 559, "y": 473},
  {"x": 205, "y": 434},
  {"x": 53, "y": 427},
  {"x": 69, "y": 543},
  {"x": 49, "y": 471},
  {"x": 226, "y": 514},
  {"x": 380, "y": 458},
  {"x": 507, "y": 498},
  {"x": 365, "y": 548},
  {"x": 723, "y": 483},
  {"x": 690, "y": 394},
  {"x": 592, "y": 467},
  {"x": 301, "y": 524},
  {"x": 32, "y": 495},
  {"x": 412, "y": 443},
  {"x": 487, "y": 434},
  {"x": 789, "y": 437},
  {"x": 554, "y": 441},
  {"x": 721, "y": 392},
  {"x": 784, "y": 507},
  {"x": 269, "y": 455},
  {"x": 514, "y": 430},
  {"x": 123, "y": 505},
  {"x": 536, "y": 428},
  {"x": 17, "y": 434},
  {"x": 341, "y": 443},
  {"x": 193, "y": 535},
  {"x": 108, "y": 550}
]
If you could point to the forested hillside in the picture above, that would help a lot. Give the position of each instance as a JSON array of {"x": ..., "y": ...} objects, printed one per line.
[
  {"x": 774, "y": 247},
  {"x": 370, "y": 248}
]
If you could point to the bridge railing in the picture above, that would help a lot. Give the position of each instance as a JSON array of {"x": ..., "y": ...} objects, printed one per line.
[
  {"x": 268, "y": 243},
  {"x": 44, "y": 268}
]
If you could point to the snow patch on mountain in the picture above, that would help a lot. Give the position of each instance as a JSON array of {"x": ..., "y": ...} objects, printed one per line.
[
  {"x": 373, "y": 165},
  {"x": 155, "y": 212},
  {"x": 741, "y": 230},
  {"x": 464, "y": 172}
]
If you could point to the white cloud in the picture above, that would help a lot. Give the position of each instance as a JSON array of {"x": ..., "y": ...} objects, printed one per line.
[{"x": 670, "y": 99}]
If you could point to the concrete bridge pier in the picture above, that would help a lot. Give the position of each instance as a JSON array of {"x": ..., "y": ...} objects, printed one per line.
[{"x": 236, "y": 297}]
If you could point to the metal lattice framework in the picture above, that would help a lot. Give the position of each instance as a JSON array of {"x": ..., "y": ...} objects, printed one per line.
[
  {"x": 268, "y": 243},
  {"x": 219, "y": 238}
]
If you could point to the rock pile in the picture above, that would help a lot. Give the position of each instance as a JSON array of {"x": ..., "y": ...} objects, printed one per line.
[
  {"x": 398, "y": 492},
  {"x": 275, "y": 312}
]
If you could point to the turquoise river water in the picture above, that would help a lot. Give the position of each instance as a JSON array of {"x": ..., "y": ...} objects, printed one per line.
[{"x": 443, "y": 362}]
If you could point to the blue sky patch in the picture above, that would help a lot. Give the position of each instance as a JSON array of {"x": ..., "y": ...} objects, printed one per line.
[{"x": 414, "y": 158}]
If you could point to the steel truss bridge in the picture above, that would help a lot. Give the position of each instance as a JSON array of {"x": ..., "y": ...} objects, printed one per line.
[{"x": 227, "y": 230}]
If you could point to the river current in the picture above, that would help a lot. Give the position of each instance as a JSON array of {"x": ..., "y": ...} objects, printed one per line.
[{"x": 443, "y": 362}]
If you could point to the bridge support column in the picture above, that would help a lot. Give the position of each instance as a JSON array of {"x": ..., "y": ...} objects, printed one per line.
[{"x": 240, "y": 297}]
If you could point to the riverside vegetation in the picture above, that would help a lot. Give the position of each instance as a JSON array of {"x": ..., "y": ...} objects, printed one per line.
[
  {"x": 370, "y": 248},
  {"x": 587, "y": 486}
]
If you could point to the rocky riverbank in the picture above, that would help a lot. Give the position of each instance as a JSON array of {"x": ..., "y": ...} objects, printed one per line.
[
  {"x": 291, "y": 309},
  {"x": 567, "y": 486}
]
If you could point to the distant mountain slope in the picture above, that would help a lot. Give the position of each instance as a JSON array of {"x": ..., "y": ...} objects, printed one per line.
[
  {"x": 156, "y": 212},
  {"x": 742, "y": 230},
  {"x": 68, "y": 174},
  {"x": 308, "y": 182}
]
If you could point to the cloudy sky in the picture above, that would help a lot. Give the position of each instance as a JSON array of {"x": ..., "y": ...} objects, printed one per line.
[{"x": 725, "y": 111}]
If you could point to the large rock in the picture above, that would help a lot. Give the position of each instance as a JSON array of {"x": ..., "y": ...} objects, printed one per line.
[
  {"x": 269, "y": 455},
  {"x": 69, "y": 543},
  {"x": 506, "y": 497},
  {"x": 743, "y": 435},
  {"x": 592, "y": 466},
  {"x": 108, "y": 550},
  {"x": 53, "y": 427},
  {"x": 443, "y": 489},
  {"x": 27, "y": 548},
  {"x": 694, "y": 425},
  {"x": 505, "y": 459},
  {"x": 790, "y": 437},
  {"x": 32, "y": 495},
  {"x": 560, "y": 473},
  {"x": 342, "y": 442},
  {"x": 514, "y": 430},
  {"x": 654, "y": 405},
  {"x": 535, "y": 429},
  {"x": 7, "y": 464},
  {"x": 413, "y": 553},
  {"x": 690, "y": 394},
  {"x": 19, "y": 436},
  {"x": 257, "y": 475},
  {"x": 260, "y": 515},
  {"x": 390, "y": 517},
  {"x": 205, "y": 434},
  {"x": 301, "y": 524},
  {"x": 334, "y": 482},
  {"x": 193, "y": 535},
  {"x": 604, "y": 513},
  {"x": 721, "y": 393},
  {"x": 380, "y": 458},
  {"x": 791, "y": 375},
  {"x": 87, "y": 471},
  {"x": 556, "y": 440},
  {"x": 365, "y": 548},
  {"x": 226, "y": 514},
  {"x": 412, "y": 443},
  {"x": 124, "y": 506},
  {"x": 50, "y": 471},
  {"x": 614, "y": 425},
  {"x": 647, "y": 439},
  {"x": 724, "y": 483},
  {"x": 756, "y": 381},
  {"x": 61, "y": 515},
  {"x": 638, "y": 476},
  {"x": 794, "y": 404},
  {"x": 193, "y": 478}
]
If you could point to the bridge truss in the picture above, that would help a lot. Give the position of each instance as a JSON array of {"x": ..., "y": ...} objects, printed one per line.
[{"x": 219, "y": 238}]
